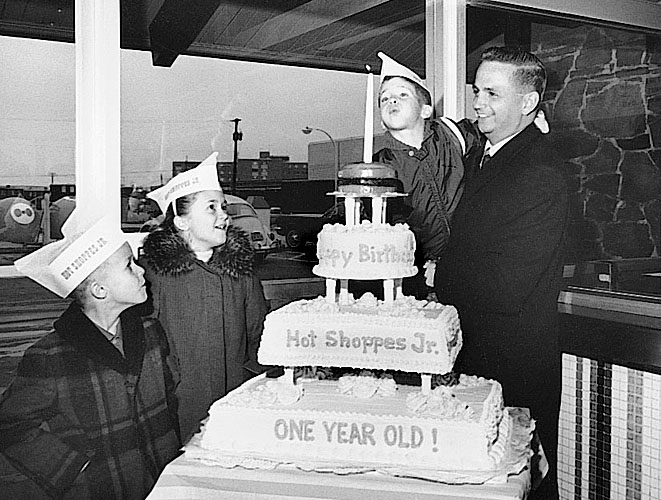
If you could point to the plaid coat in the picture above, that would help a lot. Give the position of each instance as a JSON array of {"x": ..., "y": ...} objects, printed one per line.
[{"x": 76, "y": 399}]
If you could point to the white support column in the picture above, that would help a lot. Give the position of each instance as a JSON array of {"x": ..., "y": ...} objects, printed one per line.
[
  {"x": 388, "y": 291},
  {"x": 330, "y": 290},
  {"x": 98, "y": 156},
  {"x": 350, "y": 210},
  {"x": 425, "y": 383},
  {"x": 288, "y": 376},
  {"x": 445, "y": 48},
  {"x": 344, "y": 292},
  {"x": 398, "y": 288},
  {"x": 378, "y": 210}
]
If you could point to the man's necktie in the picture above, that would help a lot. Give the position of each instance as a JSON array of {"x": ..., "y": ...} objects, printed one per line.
[{"x": 486, "y": 157}]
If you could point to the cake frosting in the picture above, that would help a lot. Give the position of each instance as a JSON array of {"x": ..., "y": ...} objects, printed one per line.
[
  {"x": 406, "y": 334},
  {"x": 364, "y": 421},
  {"x": 366, "y": 251}
]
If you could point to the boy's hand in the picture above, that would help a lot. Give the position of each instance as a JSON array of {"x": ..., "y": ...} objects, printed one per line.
[
  {"x": 541, "y": 123},
  {"x": 430, "y": 270}
]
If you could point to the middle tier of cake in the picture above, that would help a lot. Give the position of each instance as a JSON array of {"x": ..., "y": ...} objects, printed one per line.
[{"x": 404, "y": 334}]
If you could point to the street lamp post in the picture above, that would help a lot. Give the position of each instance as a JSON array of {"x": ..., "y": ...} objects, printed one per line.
[
  {"x": 308, "y": 130},
  {"x": 236, "y": 137}
]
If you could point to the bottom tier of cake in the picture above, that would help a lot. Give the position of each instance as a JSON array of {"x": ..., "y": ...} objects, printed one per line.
[{"x": 362, "y": 422}]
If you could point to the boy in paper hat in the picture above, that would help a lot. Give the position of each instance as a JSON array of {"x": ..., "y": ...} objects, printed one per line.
[
  {"x": 204, "y": 291},
  {"x": 428, "y": 156},
  {"x": 91, "y": 411}
]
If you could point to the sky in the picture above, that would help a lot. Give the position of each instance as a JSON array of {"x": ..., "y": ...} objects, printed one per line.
[{"x": 168, "y": 114}]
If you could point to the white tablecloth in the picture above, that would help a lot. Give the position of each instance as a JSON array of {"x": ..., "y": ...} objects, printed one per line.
[{"x": 186, "y": 479}]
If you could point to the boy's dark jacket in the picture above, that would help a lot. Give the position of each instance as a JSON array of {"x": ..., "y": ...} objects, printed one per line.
[
  {"x": 213, "y": 314},
  {"x": 433, "y": 178},
  {"x": 76, "y": 399}
]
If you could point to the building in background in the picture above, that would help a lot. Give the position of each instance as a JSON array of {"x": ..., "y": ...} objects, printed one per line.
[
  {"x": 321, "y": 157},
  {"x": 266, "y": 172}
]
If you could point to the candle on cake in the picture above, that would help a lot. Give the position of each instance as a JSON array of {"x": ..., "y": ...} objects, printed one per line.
[{"x": 369, "y": 117}]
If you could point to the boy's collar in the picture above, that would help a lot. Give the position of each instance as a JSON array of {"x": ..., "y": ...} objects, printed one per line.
[
  {"x": 78, "y": 329},
  {"x": 401, "y": 145}
]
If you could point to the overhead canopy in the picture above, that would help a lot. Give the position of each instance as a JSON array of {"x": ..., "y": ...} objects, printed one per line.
[{"x": 330, "y": 34}]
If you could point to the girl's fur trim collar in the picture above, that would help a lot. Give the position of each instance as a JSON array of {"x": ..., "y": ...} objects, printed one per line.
[{"x": 166, "y": 252}]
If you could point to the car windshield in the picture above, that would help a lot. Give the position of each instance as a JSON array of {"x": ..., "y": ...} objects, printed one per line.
[{"x": 240, "y": 210}]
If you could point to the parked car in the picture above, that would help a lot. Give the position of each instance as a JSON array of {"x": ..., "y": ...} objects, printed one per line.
[
  {"x": 242, "y": 215},
  {"x": 300, "y": 230}
]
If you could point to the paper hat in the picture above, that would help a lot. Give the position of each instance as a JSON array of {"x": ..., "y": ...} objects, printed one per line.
[
  {"x": 63, "y": 265},
  {"x": 390, "y": 67},
  {"x": 204, "y": 177}
]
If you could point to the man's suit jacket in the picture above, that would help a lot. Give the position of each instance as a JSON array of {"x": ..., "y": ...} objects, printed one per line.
[
  {"x": 508, "y": 231},
  {"x": 502, "y": 270}
]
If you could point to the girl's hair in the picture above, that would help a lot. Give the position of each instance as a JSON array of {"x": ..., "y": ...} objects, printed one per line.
[
  {"x": 421, "y": 93},
  {"x": 530, "y": 72},
  {"x": 183, "y": 205}
]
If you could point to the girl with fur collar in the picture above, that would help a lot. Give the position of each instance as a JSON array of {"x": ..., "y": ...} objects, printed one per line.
[{"x": 204, "y": 292}]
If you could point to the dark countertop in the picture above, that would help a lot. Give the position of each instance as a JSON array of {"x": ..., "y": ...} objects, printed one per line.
[{"x": 621, "y": 327}]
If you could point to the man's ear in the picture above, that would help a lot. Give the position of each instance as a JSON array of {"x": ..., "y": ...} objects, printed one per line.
[
  {"x": 426, "y": 111},
  {"x": 180, "y": 223},
  {"x": 97, "y": 290},
  {"x": 530, "y": 102}
]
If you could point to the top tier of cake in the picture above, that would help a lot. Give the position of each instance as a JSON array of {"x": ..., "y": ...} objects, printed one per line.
[{"x": 365, "y": 252}]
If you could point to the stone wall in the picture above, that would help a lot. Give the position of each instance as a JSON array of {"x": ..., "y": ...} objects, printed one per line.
[{"x": 604, "y": 105}]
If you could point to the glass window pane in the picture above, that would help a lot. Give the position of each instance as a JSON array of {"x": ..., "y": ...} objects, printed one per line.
[{"x": 603, "y": 102}]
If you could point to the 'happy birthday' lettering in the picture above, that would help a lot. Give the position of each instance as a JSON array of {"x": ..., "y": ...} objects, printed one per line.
[{"x": 387, "y": 254}]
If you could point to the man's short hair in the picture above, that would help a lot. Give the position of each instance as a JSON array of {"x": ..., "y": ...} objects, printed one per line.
[
  {"x": 530, "y": 72},
  {"x": 420, "y": 92}
]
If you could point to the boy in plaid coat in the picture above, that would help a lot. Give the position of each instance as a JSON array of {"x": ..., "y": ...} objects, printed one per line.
[{"x": 91, "y": 412}]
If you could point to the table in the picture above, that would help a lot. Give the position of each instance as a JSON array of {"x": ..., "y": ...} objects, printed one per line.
[{"x": 185, "y": 479}]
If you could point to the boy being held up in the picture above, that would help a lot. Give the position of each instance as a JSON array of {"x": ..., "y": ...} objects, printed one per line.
[
  {"x": 91, "y": 412},
  {"x": 432, "y": 157},
  {"x": 428, "y": 157}
]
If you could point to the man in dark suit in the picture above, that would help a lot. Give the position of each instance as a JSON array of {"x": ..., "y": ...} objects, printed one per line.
[{"x": 503, "y": 265}]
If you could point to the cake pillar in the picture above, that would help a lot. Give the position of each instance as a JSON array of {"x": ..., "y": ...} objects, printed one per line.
[
  {"x": 378, "y": 210},
  {"x": 425, "y": 386},
  {"x": 288, "y": 377},
  {"x": 344, "y": 292},
  {"x": 330, "y": 290},
  {"x": 350, "y": 211},
  {"x": 398, "y": 288},
  {"x": 388, "y": 291}
]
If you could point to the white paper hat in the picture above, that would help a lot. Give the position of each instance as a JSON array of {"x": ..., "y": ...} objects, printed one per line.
[
  {"x": 63, "y": 265},
  {"x": 390, "y": 67},
  {"x": 204, "y": 177}
]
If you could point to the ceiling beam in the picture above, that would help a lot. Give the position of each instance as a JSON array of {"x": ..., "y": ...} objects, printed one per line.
[
  {"x": 176, "y": 25},
  {"x": 305, "y": 18},
  {"x": 374, "y": 32}
]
